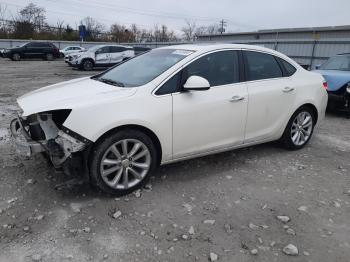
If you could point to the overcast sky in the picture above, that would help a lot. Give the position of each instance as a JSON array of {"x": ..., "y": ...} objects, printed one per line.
[{"x": 241, "y": 15}]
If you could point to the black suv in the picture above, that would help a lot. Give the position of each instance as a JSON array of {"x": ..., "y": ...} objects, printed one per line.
[{"x": 43, "y": 50}]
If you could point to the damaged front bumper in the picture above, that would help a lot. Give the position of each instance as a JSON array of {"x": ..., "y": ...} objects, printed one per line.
[
  {"x": 24, "y": 144},
  {"x": 40, "y": 134}
]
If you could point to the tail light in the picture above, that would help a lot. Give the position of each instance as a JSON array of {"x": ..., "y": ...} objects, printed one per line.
[{"x": 325, "y": 85}]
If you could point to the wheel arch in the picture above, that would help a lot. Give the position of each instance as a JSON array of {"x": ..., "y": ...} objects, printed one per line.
[
  {"x": 313, "y": 108},
  {"x": 140, "y": 128},
  {"x": 85, "y": 59},
  {"x": 307, "y": 104}
]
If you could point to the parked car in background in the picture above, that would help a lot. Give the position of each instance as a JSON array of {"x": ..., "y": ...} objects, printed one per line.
[
  {"x": 167, "y": 105},
  {"x": 336, "y": 70},
  {"x": 141, "y": 49},
  {"x": 43, "y": 50},
  {"x": 71, "y": 49},
  {"x": 100, "y": 56}
]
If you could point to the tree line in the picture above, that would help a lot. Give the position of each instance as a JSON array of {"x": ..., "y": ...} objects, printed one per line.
[{"x": 31, "y": 23}]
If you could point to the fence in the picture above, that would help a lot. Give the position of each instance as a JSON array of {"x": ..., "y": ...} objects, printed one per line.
[
  {"x": 9, "y": 43},
  {"x": 308, "y": 53}
]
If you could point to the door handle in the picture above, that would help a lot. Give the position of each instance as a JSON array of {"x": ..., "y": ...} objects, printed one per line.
[
  {"x": 288, "y": 89},
  {"x": 236, "y": 98}
]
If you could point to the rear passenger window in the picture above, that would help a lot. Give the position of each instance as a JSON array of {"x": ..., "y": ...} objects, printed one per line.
[
  {"x": 117, "y": 49},
  {"x": 262, "y": 66},
  {"x": 289, "y": 69},
  {"x": 170, "y": 86},
  {"x": 220, "y": 68}
]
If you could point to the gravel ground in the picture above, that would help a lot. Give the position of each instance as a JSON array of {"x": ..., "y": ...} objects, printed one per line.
[{"x": 218, "y": 208}]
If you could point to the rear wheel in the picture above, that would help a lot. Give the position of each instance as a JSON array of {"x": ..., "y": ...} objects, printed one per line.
[
  {"x": 123, "y": 162},
  {"x": 16, "y": 57},
  {"x": 299, "y": 129},
  {"x": 49, "y": 57}
]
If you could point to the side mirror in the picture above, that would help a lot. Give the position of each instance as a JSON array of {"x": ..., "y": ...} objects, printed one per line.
[
  {"x": 317, "y": 67},
  {"x": 196, "y": 83}
]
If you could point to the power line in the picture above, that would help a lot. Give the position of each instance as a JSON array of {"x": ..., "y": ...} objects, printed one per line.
[
  {"x": 151, "y": 13},
  {"x": 74, "y": 14}
]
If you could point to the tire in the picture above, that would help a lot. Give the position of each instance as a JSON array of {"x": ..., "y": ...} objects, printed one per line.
[
  {"x": 87, "y": 65},
  {"x": 16, "y": 57},
  {"x": 49, "y": 57},
  {"x": 108, "y": 156},
  {"x": 299, "y": 130}
]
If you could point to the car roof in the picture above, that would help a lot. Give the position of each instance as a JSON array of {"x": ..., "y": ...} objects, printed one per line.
[
  {"x": 204, "y": 47},
  {"x": 113, "y": 45}
]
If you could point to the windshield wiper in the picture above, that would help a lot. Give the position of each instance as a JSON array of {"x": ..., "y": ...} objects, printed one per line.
[{"x": 111, "y": 82}]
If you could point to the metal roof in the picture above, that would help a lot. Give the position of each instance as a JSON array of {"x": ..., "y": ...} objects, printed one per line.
[{"x": 287, "y": 30}]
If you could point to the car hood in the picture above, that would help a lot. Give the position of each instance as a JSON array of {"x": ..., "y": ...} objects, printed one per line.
[
  {"x": 71, "y": 94},
  {"x": 336, "y": 79}
]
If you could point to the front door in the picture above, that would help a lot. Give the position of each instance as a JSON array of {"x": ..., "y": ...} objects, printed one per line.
[
  {"x": 102, "y": 56},
  {"x": 214, "y": 119}
]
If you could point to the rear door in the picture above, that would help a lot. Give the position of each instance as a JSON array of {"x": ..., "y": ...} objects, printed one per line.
[
  {"x": 271, "y": 96},
  {"x": 117, "y": 54},
  {"x": 102, "y": 56},
  {"x": 214, "y": 119},
  {"x": 30, "y": 50}
]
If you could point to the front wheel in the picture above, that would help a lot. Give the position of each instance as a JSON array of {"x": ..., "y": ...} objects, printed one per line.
[
  {"x": 16, "y": 57},
  {"x": 87, "y": 65},
  {"x": 123, "y": 162},
  {"x": 299, "y": 129}
]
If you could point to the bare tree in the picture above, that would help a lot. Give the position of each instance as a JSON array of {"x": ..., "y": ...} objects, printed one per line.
[
  {"x": 189, "y": 30},
  {"x": 94, "y": 28},
  {"x": 33, "y": 14},
  {"x": 120, "y": 33},
  {"x": 212, "y": 29},
  {"x": 60, "y": 27},
  {"x": 3, "y": 22}
]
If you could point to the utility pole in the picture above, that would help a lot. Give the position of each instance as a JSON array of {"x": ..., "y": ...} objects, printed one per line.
[{"x": 223, "y": 24}]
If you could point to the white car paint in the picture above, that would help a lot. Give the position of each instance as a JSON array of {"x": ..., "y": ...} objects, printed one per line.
[
  {"x": 71, "y": 49},
  {"x": 101, "y": 57},
  {"x": 187, "y": 124}
]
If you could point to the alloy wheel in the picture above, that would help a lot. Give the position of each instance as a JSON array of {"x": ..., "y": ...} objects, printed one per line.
[
  {"x": 49, "y": 57},
  {"x": 16, "y": 57},
  {"x": 88, "y": 65},
  {"x": 301, "y": 128},
  {"x": 125, "y": 164}
]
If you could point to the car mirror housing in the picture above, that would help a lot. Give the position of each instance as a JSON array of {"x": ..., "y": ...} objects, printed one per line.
[
  {"x": 317, "y": 67},
  {"x": 196, "y": 83}
]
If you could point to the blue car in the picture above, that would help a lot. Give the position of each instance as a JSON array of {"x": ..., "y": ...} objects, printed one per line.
[{"x": 336, "y": 71}]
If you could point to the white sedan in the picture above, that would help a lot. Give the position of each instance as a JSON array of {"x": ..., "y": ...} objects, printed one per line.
[
  {"x": 70, "y": 50},
  {"x": 167, "y": 105}
]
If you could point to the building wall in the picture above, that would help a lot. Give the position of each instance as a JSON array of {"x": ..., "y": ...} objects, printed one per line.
[{"x": 309, "y": 47}]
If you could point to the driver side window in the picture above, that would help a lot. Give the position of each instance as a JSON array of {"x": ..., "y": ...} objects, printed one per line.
[
  {"x": 103, "y": 50},
  {"x": 220, "y": 68}
]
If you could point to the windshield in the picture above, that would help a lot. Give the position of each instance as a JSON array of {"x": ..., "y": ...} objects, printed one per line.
[
  {"x": 144, "y": 68},
  {"x": 94, "y": 48},
  {"x": 21, "y": 45},
  {"x": 341, "y": 62}
]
